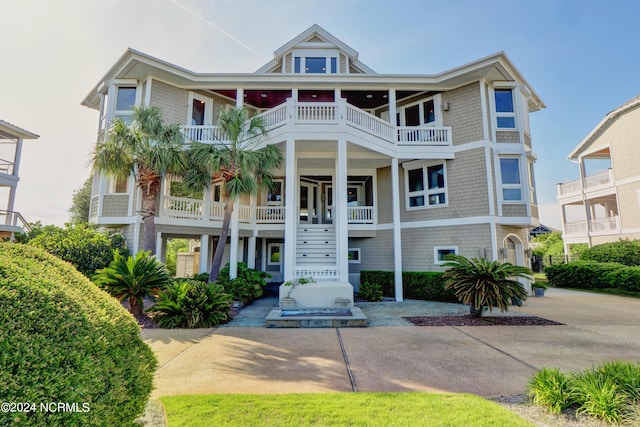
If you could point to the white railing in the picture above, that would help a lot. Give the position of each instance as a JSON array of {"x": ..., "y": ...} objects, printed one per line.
[
  {"x": 6, "y": 167},
  {"x": 424, "y": 135},
  {"x": 604, "y": 224},
  {"x": 270, "y": 214},
  {"x": 14, "y": 219},
  {"x": 329, "y": 272},
  {"x": 203, "y": 133},
  {"x": 315, "y": 112},
  {"x": 601, "y": 178},
  {"x": 570, "y": 187},
  {"x": 244, "y": 213},
  {"x": 274, "y": 117},
  {"x": 216, "y": 211},
  {"x": 577, "y": 227},
  {"x": 183, "y": 208},
  {"x": 360, "y": 214},
  {"x": 369, "y": 123}
]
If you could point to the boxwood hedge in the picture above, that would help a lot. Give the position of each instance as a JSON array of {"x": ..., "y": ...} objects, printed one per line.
[
  {"x": 64, "y": 341},
  {"x": 580, "y": 274},
  {"x": 427, "y": 286}
]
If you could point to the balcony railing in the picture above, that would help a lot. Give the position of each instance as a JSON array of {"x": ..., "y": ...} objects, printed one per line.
[
  {"x": 598, "y": 179},
  {"x": 13, "y": 219},
  {"x": 306, "y": 113},
  {"x": 6, "y": 167},
  {"x": 329, "y": 272},
  {"x": 597, "y": 225},
  {"x": 192, "y": 209}
]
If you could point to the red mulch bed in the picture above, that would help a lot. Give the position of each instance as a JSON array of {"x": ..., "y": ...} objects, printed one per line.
[{"x": 480, "y": 321}]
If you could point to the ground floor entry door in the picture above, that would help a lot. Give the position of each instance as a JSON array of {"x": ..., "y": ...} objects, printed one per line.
[{"x": 308, "y": 203}]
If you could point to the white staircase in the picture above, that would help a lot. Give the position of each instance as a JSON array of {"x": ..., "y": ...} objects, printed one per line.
[{"x": 316, "y": 245}]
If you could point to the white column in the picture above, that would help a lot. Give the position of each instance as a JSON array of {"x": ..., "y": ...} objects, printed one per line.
[
  {"x": 136, "y": 236},
  {"x": 204, "y": 253},
  {"x": 233, "y": 235},
  {"x": 340, "y": 212},
  {"x": 158, "y": 246},
  {"x": 239, "y": 98},
  {"x": 251, "y": 252},
  {"x": 16, "y": 157},
  {"x": 392, "y": 107},
  {"x": 291, "y": 203},
  {"x": 397, "y": 237}
]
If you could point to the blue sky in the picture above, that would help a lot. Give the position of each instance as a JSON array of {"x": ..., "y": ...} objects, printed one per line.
[{"x": 581, "y": 57}]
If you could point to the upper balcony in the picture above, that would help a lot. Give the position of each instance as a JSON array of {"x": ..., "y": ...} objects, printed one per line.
[
  {"x": 602, "y": 180},
  {"x": 293, "y": 113}
]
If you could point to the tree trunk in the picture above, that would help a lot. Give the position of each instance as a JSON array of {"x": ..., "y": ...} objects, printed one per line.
[
  {"x": 149, "y": 192},
  {"x": 474, "y": 311},
  {"x": 134, "y": 307},
  {"x": 222, "y": 241}
]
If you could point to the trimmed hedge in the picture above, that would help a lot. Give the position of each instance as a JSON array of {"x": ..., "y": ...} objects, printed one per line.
[
  {"x": 64, "y": 340},
  {"x": 427, "y": 286},
  {"x": 580, "y": 274},
  {"x": 625, "y": 252},
  {"x": 625, "y": 278}
]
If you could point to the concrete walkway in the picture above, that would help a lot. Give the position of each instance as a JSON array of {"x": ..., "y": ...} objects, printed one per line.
[{"x": 393, "y": 355}]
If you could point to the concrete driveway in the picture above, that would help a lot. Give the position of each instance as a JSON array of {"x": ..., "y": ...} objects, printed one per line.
[{"x": 489, "y": 361}]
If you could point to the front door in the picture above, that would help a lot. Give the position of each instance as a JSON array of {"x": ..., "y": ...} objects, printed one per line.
[{"x": 308, "y": 203}]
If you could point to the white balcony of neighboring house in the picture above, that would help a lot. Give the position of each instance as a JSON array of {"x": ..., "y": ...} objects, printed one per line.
[
  {"x": 605, "y": 225},
  {"x": 592, "y": 183},
  {"x": 334, "y": 113}
]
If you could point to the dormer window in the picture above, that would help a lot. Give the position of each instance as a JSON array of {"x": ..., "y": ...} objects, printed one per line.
[{"x": 315, "y": 64}]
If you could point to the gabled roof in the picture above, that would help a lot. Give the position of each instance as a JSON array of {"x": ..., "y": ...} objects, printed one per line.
[
  {"x": 314, "y": 36},
  {"x": 604, "y": 123},
  {"x": 7, "y": 130}
]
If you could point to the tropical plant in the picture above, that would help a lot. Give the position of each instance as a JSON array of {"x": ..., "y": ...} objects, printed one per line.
[
  {"x": 132, "y": 279},
  {"x": 191, "y": 304},
  {"x": 147, "y": 148},
  {"x": 370, "y": 291},
  {"x": 83, "y": 245},
  {"x": 483, "y": 283},
  {"x": 248, "y": 285},
  {"x": 599, "y": 396},
  {"x": 237, "y": 162},
  {"x": 551, "y": 388}
]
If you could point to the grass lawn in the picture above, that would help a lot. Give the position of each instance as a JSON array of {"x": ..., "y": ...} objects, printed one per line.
[{"x": 337, "y": 409}]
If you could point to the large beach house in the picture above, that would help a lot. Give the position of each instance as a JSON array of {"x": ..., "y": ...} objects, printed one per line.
[
  {"x": 11, "y": 140},
  {"x": 382, "y": 171},
  {"x": 603, "y": 204}
]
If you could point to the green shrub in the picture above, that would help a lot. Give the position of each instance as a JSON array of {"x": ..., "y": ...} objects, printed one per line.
[
  {"x": 370, "y": 292},
  {"x": 427, "y": 286},
  {"x": 192, "y": 304},
  {"x": 247, "y": 286},
  {"x": 65, "y": 340},
  {"x": 84, "y": 246},
  {"x": 550, "y": 388},
  {"x": 201, "y": 277},
  {"x": 625, "y": 252},
  {"x": 625, "y": 278},
  {"x": 599, "y": 396},
  {"x": 580, "y": 274}
]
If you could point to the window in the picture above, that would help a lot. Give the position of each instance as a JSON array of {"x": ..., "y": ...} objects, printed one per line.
[
  {"x": 418, "y": 113},
  {"x": 274, "y": 253},
  {"x": 354, "y": 255},
  {"x": 125, "y": 101},
  {"x": 431, "y": 194},
  {"x": 296, "y": 65},
  {"x": 274, "y": 196},
  {"x": 511, "y": 183},
  {"x": 217, "y": 192},
  {"x": 505, "y": 112},
  {"x": 197, "y": 112},
  {"x": 315, "y": 64},
  {"x": 533, "y": 198},
  {"x": 118, "y": 184},
  {"x": 440, "y": 253},
  {"x": 428, "y": 109}
]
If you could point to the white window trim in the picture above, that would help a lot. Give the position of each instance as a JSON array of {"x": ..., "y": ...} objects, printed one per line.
[
  {"x": 437, "y": 108},
  {"x": 436, "y": 249},
  {"x": 426, "y": 192},
  {"x": 359, "y": 252},
  {"x": 281, "y": 247},
  {"x": 502, "y": 186},
  {"x": 315, "y": 53},
  {"x": 113, "y": 97},
  {"x": 516, "y": 107},
  {"x": 208, "y": 108}
]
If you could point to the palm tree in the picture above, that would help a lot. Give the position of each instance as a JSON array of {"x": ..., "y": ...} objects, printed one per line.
[
  {"x": 132, "y": 279},
  {"x": 483, "y": 283},
  {"x": 242, "y": 167},
  {"x": 147, "y": 148}
]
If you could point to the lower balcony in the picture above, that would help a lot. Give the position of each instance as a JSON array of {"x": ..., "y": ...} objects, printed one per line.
[
  {"x": 12, "y": 222},
  {"x": 606, "y": 225}
]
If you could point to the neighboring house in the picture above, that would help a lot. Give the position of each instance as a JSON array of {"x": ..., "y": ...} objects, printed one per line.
[
  {"x": 539, "y": 230},
  {"x": 11, "y": 138},
  {"x": 604, "y": 206},
  {"x": 382, "y": 172}
]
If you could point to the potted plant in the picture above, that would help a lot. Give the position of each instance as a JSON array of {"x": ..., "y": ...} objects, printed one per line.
[
  {"x": 289, "y": 301},
  {"x": 484, "y": 284},
  {"x": 539, "y": 288}
]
